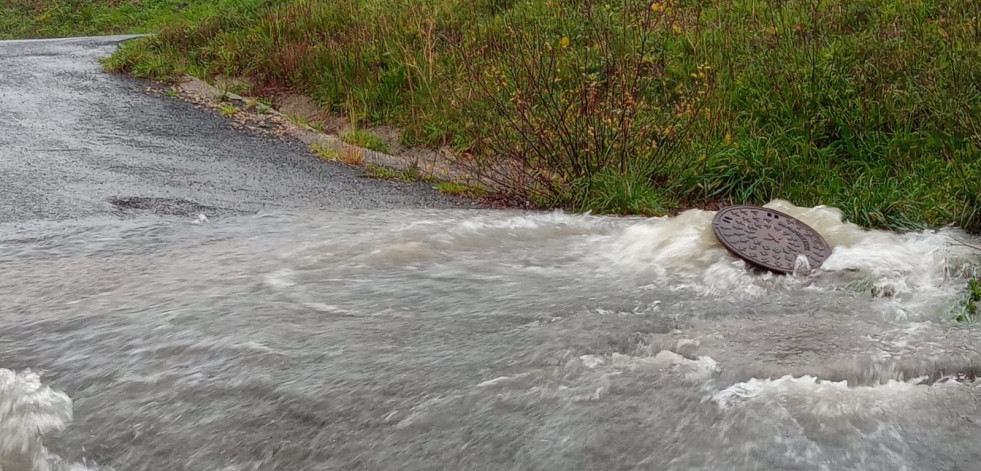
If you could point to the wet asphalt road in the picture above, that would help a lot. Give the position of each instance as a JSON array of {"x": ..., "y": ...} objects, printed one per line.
[{"x": 74, "y": 140}]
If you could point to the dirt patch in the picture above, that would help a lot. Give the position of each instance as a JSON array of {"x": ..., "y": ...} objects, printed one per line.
[
  {"x": 300, "y": 106},
  {"x": 392, "y": 135},
  {"x": 306, "y": 110},
  {"x": 333, "y": 124}
]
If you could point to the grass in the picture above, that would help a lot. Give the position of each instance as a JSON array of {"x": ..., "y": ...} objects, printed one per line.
[
  {"x": 260, "y": 105},
  {"x": 410, "y": 175},
  {"x": 297, "y": 120},
  {"x": 632, "y": 106},
  {"x": 228, "y": 109},
  {"x": 348, "y": 155},
  {"x": 236, "y": 88},
  {"x": 452, "y": 188},
  {"x": 459, "y": 189},
  {"x": 325, "y": 153},
  {"x": 367, "y": 140},
  {"x": 59, "y": 18}
]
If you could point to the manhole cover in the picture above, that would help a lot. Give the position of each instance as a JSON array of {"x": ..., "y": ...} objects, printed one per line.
[{"x": 768, "y": 239}]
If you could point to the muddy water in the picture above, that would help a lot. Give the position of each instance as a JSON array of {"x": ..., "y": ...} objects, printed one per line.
[{"x": 478, "y": 340}]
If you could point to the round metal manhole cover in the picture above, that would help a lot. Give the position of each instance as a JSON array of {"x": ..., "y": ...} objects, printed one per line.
[{"x": 768, "y": 239}]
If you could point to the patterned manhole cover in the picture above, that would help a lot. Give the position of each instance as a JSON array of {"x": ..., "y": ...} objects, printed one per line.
[{"x": 768, "y": 239}]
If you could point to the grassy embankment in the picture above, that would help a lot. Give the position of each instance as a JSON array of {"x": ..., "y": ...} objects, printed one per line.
[
  {"x": 628, "y": 106},
  {"x": 24, "y": 19}
]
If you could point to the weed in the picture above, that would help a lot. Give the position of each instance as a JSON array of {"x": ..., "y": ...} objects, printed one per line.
[
  {"x": 172, "y": 93},
  {"x": 382, "y": 173},
  {"x": 348, "y": 155},
  {"x": 228, "y": 109},
  {"x": 367, "y": 140},
  {"x": 459, "y": 189},
  {"x": 300, "y": 120},
  {"x": 239, "y": 88},
  {"x": 326, "y": 153},
  {"x": 297, "y": 120},
  {"x": 352, "y": 155},
  {"x": 864, "y": 286},
  {"x": 260, "y": 105},
  {"x": 970, "y": 311},
  {"x": 410, "y": 175}
]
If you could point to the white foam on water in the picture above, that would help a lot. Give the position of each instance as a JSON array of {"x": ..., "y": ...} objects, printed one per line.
[
  {"x": 468, "y": 231},
  {"x": 830, "y": 398},
  {"x": 679, "y": 252},
  {"x": 30, "y": 412},
  {"x": 684, "y": 249},
  {"x": 682, "y": 252},
  {"x": 702, "y": 367},
  {"x": 814, "y": 419}
]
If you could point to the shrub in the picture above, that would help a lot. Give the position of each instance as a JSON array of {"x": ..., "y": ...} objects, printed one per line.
[{"x": 592, "y": 100}]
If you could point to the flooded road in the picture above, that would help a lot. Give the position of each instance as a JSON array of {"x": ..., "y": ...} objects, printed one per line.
[
  {"x": 424, "y": 339},
  {"x": 317, "y": 335}
]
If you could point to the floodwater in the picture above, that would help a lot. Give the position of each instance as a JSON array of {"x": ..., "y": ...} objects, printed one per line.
[{"x": 444, "y": 339}]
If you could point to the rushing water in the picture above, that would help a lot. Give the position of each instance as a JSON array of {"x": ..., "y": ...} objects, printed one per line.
[{"x": 478, "y": 340}]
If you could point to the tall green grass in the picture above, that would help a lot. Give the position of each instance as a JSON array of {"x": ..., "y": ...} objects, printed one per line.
[
  {"x": 871, "y": 106},
  {"x": 633, "y": 106}
]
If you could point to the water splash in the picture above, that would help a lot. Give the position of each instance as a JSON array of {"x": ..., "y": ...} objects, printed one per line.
[
  {"x": 29, "y": 413},
  {"x": 682, "y": 251},
  {"x": 807, "y": 385},
  {"x": 802, "y": 266}
]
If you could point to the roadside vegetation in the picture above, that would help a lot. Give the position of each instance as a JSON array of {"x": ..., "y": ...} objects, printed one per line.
[
  {"x": 971, "y": 300},
  {"x": 633, "y": 106},
  {"x": 22, "y": 19},
  {"x": 367, "y": 140}
]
